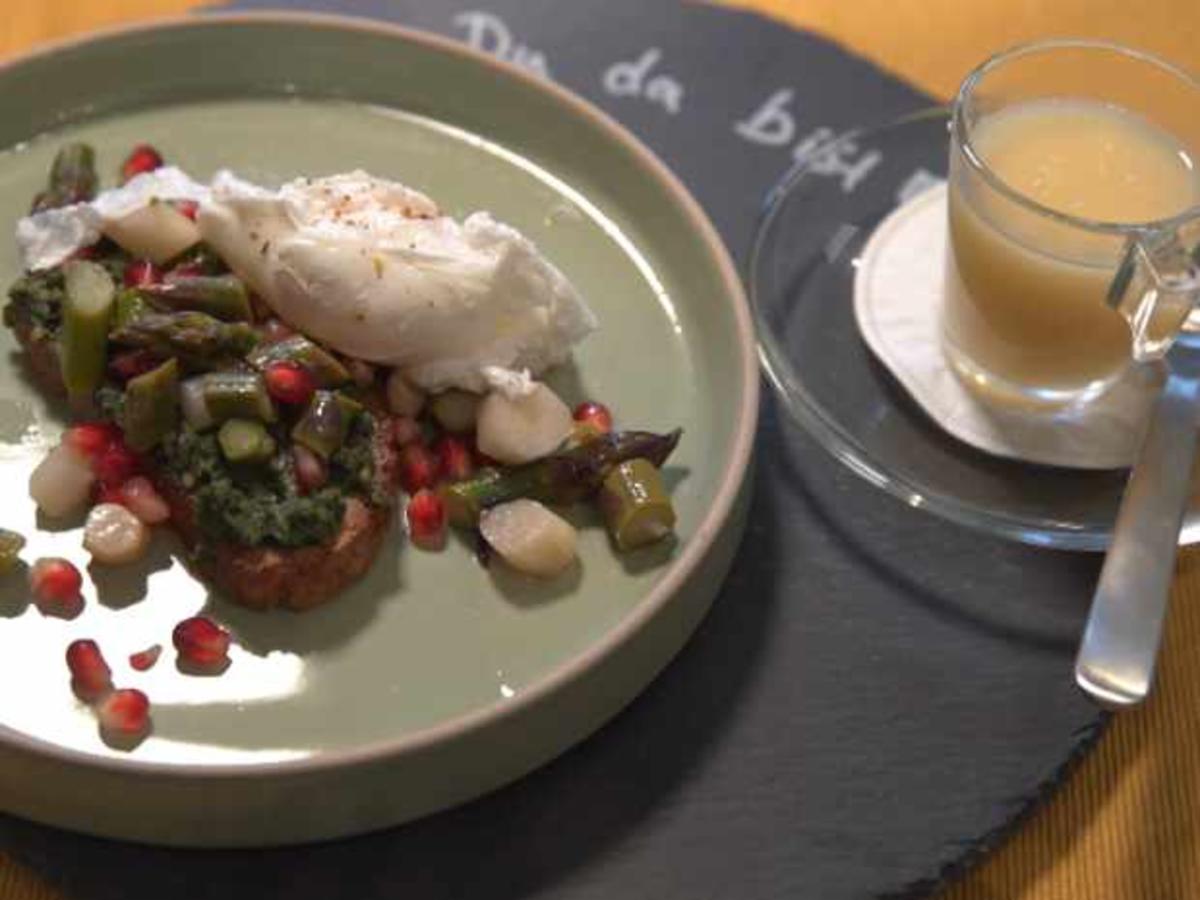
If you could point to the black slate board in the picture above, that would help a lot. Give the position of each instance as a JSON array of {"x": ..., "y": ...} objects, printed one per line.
[{"x": 875, "y": 697}]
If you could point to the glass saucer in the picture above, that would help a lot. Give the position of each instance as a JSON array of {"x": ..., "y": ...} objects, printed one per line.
[{"x": 814, "y": 225}]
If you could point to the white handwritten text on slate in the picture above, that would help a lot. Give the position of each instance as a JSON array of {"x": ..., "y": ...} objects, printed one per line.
[
  {"x": 489, "y": 33},
  {"x": 631, "y": 78},
  {"x": 771, "y": 124}
]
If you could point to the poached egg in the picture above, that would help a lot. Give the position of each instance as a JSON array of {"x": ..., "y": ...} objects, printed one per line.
[
  {"x": 367, "y": 266},
  {"x": 374, "y": 270}
]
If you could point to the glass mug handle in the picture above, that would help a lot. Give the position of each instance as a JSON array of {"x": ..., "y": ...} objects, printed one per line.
[{"x": 1156, "y": 287}]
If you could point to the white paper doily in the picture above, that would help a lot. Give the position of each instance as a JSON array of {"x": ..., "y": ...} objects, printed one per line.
[{"x": 898, "y": 289}]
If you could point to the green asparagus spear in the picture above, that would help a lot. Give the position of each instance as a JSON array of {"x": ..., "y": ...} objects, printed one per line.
[
  {"x": 199, "y": 340},
  {"x": 87, "y": 311},
  {"x": 72, "y": 178},
  {"x": 326, "y": 422},
  {"x": 637, "y": 509},
  {"x": 223, "y": 297},
  {"x": 129, "y": 306},
  {"x": 323, "y": 366},
  {"x": 564, "y": 477},
  {"x": 151, "y": 408},
  {"x": 237, "y": 395},
  {"x": 245, "y": 441},
  {"x": 11, "y": 545}
]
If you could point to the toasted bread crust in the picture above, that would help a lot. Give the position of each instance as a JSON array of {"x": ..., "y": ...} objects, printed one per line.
[
  {"x": 296, "y": 578},
  {"x": 41, "y": 355},
  {"x": 260, "y": 577}
]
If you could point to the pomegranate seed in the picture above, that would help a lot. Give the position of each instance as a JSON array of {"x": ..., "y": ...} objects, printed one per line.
[
  {"x": 454, "y": 458},
  {"x": 54, "y": 582},
  {"x": 90, "y": 675},
  {"x": 188, "y": 207},
  {"x": 132, "y": 363},
  {"x": 125, "y": 712},
  {"x": 418, "y": 467},
  {"x": 140, "y": 272},
  {"x": 288, "y": 382},
  {"x": 145, "y": 659},
  {"x": 116, "y": 464},
  {"x": 139, "y": 496},
  {"x": 311, "y": 471},
  {"x": 90, "y": 439},
  {"x": 594, "y": 414},
  {"x": 426, "y": 516},
  {"x": 201, "y": 643},
  {"x": 143, "y": 158}
]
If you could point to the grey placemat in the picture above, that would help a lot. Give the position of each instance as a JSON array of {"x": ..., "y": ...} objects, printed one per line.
[{"x": 875, "y": 695}]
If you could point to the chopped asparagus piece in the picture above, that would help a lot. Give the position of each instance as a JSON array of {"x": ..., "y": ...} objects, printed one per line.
[
  {"x": 245, "y": 441},
  {"x": 323, "y": 366},
  {"x": 637, "y": 509},
  {"x": 563, "y": 477},
  {"x": 11, "y": 545},
  {"x": 223, "y": 297},
  {"x": 72, "y": 178},
  {"x": 326, "y": 422},
  {"x": 199, "y": 340},
  {"x": 151, "y": 408},
  {"x": 465, "y": 500},
  {"x": 129, "y": 306},
  {"x": 87, "y": 311},
  {"x": 237, "y": 395}
]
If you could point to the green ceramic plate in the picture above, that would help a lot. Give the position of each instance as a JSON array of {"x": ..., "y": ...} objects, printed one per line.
[{"x": 434, "y": 680}]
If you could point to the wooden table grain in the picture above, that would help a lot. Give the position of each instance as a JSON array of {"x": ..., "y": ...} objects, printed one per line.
[{"x": 1126, "y": 825}]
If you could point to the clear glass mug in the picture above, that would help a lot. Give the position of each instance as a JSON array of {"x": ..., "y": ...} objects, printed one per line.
[{"x": 1046, "y": 307}]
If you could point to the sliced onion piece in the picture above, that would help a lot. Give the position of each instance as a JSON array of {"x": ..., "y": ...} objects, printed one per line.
[
  {"x": 62, "y": 482},
  {"x": 158, "y": 232},
  {"x": 522, "y": 428},
  {"x": 529, "y": 537},
  {"x": 195, "y": 409}
]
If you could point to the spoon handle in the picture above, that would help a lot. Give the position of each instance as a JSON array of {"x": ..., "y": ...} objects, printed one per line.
[{"x": 1116, "y": 658}]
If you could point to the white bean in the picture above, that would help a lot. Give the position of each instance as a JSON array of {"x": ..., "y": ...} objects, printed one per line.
[
  {"x": 456, "y": 411},
  {"x": 522, "y": 428},
  {"x": 62, "y": 482},
  {"x": 529, "y": 537},
  {"x": 114, "y": 535},
  {"x": 403, "y": 399}
]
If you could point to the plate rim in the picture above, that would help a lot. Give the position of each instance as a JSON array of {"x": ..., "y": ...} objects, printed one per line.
[{"x": 680, "y": 569}]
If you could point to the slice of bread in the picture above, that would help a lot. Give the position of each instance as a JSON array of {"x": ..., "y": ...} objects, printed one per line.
[{"x": 260, "y": 577}]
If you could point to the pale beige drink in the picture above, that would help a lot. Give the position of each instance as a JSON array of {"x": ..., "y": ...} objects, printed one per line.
[{"x": 1025, "y": 316}]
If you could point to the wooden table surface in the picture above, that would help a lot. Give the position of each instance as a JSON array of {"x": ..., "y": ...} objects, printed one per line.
[{"x": 1126, "y": 825}]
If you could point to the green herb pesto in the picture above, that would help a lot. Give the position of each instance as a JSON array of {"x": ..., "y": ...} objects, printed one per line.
[
  {"x": 36, "y": 298},
  {"x": 260, "y": 504},
  {"x": 110, "y": 402}
]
